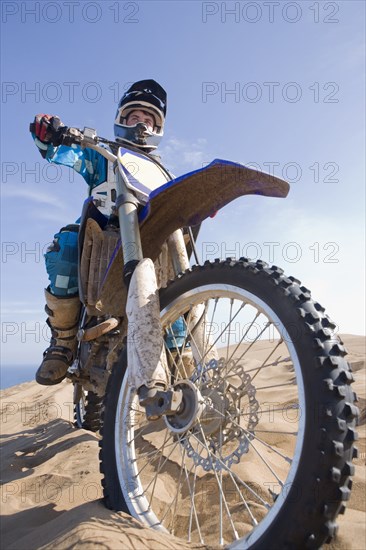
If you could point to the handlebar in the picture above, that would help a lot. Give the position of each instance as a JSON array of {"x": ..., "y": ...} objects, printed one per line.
[
  {"x": 85, "y": 138},
  {"x": 69, "y": 136}
]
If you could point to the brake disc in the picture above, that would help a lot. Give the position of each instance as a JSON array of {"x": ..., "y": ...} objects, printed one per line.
[{"x": 226, "y": 426}]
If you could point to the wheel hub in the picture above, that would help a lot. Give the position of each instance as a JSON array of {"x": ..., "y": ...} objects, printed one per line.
[
  {"x": 190, "y": 410},
  {"x": 227, "y": 419},
  {"x": 213, "y": 416}
]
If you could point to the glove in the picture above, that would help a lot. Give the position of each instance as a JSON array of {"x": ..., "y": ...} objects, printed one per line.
[{"x": 48, "y": 129}]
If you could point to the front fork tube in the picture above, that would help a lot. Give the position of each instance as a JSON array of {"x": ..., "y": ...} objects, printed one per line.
[
  {"x": 146, "y": 347},
  {"x": 178, "y": 252},
  {"x": 130, "y": 231},
  {"x": 147, "y": 363},
  {"x": 127, "y": 205},
  {"x": 203, "y": 348}
]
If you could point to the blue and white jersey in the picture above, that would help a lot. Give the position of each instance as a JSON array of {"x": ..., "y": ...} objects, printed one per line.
[
  {"x": 90, "y": 164},
  {"x": 144, "y": 172},
  {"x": 96, "y": 170}
]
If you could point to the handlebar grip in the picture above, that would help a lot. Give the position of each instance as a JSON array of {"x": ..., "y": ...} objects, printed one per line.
[
  {"x": 67, "y": 135},
  {"x": 57, "y": 136}
]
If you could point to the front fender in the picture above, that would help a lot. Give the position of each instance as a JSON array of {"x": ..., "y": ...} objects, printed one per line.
[
  {"x": 193, "y": 197},
  {"x": 187, "y": 201}
]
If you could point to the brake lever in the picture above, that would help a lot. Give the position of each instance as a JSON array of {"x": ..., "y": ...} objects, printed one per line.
[
  {"x": 90, "y": 135},
  {"x": 71, "y": 136},
  {"x": 84, "y": 138}
]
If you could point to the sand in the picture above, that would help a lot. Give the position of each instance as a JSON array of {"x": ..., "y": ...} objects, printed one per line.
[{"x": 51, "y": 486}]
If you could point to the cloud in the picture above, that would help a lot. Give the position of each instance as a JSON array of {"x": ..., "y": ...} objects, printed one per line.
[
  {"x": 16, "y": 307},
  {"x": 321, "y": 250},
  {"x": 181, "y": 156},
  {"x": 40, "y": 205},
  {"x": 62, "y": 217},
  {"x": 33, "y": 195}
]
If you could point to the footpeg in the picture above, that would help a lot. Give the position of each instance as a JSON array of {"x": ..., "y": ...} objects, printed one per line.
[{"x": 158, "y": 401}]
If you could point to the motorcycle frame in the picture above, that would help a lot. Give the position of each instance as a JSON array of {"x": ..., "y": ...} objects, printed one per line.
[
  {"x": 139, "y": 275},
  {"x": 149, "y": 365},
  {"x": 127, "y": 205}
]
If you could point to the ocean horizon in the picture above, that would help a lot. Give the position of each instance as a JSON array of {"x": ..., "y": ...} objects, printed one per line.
[{"x": 12, "y": 375}]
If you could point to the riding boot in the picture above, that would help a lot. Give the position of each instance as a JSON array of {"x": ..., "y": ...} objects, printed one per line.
[{"x": 63, "y": 315}]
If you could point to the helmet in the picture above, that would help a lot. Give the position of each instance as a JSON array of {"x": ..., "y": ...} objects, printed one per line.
[{"x": 145, "y": 95}]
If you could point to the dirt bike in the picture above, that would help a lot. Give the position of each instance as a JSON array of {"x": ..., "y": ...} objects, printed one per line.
[{"x": 245, "y": 435}]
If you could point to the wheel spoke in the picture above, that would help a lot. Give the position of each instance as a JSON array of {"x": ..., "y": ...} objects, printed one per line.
[
  {"x": 232, "y": 441},
  {"x": 264, "y": 364},
  {"x": 275, "y": 432},
  {"x": 253, "y": 435},
  {"x": 193, "y": 505},
  {"x": 222, "y": 332},
  {"x": 156, "y": 477},
  {"x": 211, "y": 324},
  {"x": 275, "y": 363},
  {"x": 244, "y": 335},
  {"x": 174, "y": 359},
  {"x": 275, "y": 386},
  {"x": 252, "y": 343},
  {"x": 155, "y": 451},
  {"x": 228, "y": 325},
  {"x": 294, "y": 406},
  {"x": 221, "y": 495},
  {"x": 239, "y": 480},
  {"x": 160, "y": 466},
  {"x": 178, "y": 491},
  {"x": 265, "y": 462}
]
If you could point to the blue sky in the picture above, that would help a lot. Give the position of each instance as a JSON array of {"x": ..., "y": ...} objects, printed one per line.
[{"x": 278, "y": 85}]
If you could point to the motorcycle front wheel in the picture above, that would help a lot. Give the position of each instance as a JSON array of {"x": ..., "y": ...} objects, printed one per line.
[{"x": 259, "y": 455}]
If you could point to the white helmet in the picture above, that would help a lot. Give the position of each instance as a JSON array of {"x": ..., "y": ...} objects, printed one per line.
[{"x": 147, "y": 96}]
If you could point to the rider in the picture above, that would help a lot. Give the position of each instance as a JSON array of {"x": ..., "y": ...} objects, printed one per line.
[{"x": 139, "y": 123}]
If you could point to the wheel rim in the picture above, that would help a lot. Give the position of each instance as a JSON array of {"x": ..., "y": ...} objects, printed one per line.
[
  {"x": 80, "y": 404},
  {"x": 227, "y": 477}
]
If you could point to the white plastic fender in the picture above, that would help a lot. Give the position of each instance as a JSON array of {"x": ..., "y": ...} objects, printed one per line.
[{"x": 147, "y": 363}]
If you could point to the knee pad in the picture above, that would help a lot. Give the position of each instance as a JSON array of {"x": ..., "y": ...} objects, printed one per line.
[
  {"x": 176, "y": 335},
  {"x": 62, "y": 262}
]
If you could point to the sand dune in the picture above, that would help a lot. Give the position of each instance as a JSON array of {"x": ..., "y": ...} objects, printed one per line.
[{"x": 51, "y": 491}]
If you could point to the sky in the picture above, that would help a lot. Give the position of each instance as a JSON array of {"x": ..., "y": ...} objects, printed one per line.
[{"x": 275, "y": 85}]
